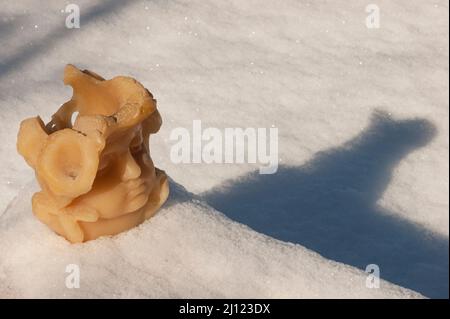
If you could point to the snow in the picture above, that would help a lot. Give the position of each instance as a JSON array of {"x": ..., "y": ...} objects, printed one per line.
[
  {"x": 187, "y": 250},
  {"x": 363, "y": 121}
]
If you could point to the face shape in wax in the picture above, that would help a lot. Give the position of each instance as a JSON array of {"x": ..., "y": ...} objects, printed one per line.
[{"x": 96, "y": 175}]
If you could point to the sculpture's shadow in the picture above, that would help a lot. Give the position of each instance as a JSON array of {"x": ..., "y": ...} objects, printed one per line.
[{"x": 330, "y": 205}]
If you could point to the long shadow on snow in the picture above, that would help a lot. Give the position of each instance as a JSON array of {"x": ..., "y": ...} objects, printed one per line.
[{"x": 330, "y": 205}]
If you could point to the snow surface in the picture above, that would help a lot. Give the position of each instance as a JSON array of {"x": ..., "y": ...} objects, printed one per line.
[
  {"x": 188, "y": 250},
  {"x": 363, "y": 140}
]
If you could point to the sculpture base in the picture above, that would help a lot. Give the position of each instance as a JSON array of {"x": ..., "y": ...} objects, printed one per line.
[{"x": 89, "y": 230}]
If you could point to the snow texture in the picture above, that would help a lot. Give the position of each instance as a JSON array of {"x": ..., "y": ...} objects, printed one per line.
[
  {"x": 187, "y": 250},
  {"x": 363, "y": 146}
]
